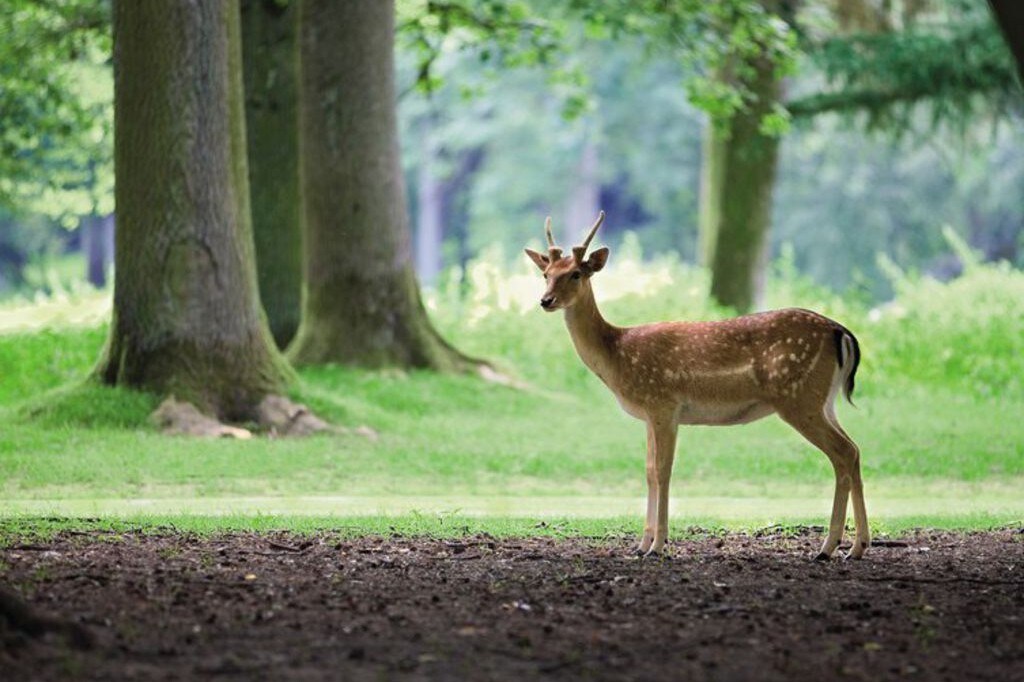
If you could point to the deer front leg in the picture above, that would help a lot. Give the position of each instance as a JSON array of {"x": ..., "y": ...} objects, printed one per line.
[
  {"x": 665, "y": 452},
  {"x": 652, "y": 496}
]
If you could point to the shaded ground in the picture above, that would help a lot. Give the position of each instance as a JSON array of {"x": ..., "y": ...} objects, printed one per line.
[{"x": 245, "y": 606}]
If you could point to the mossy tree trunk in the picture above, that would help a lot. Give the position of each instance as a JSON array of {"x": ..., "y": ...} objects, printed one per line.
[
  {"x": 270, "y": 72},
  {"x": 361, "y": 303},
  {"x": 187, "y": 318},
  {"x": 740, "y": 164},
  {"x": 711, "y": 168}
]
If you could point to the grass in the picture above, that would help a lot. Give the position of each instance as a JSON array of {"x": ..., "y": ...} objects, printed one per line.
[{"x": 937, "y": 395}]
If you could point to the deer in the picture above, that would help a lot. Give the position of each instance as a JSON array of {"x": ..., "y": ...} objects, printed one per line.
[{"x": 790, "y": 362}]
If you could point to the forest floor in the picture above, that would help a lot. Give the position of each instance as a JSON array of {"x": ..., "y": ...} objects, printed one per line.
[{"x": 308, "y": 606}]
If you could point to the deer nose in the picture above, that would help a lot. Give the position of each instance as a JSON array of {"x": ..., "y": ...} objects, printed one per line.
[{"x": 547, "y": 301}]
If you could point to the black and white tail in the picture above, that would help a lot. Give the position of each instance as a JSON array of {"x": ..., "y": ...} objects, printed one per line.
[{"x": 848, "y": 356}]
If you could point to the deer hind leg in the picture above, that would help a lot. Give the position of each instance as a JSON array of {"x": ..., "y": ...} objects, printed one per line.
[
  {"x": 652, "y": 496},
  {"x": 842, "y": 452},
  {"x": 862, "y": 538},
  {"x": 664, "y": 431}
]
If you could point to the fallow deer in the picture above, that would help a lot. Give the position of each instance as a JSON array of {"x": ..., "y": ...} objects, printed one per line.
[{"x": 790, "y": 362}]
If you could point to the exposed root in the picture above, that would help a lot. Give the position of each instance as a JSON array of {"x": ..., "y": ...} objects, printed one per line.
[
  {"x": 179, "y": 418},
  {"x": 488, "y": 373},
  {"x": 276, "y": 415}
]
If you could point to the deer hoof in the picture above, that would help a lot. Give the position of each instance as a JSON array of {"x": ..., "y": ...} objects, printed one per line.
[
  {"x": 855, "y": 553},
  {"x": 823, "y": 557}
]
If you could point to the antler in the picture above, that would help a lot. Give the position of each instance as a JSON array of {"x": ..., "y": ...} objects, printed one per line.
[
  {"x": 580, "y": 252},
  {"x": 554, "y": 253}
]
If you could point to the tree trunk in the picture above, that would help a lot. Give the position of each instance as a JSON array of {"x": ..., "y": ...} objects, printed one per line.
[
  {"x": 585, "y": 197},
  {"x": 711, "y": 192},
  {"x": 361, "y": 303},
  {"x": 270, "y": 70},
  {"x": 430, "y": 211},
  {"x": 187, "y": 317},
  {"x": 740, "y": 171},
  {"x": 98, "y": 247}
]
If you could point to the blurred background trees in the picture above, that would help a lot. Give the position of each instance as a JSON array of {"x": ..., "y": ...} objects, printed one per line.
[{"x": 889, "y": 120}]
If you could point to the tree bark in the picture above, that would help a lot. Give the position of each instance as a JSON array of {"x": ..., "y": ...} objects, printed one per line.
[
  {"x": 270, "y": 71},
  {"x": 187, "y": 317},
  {"x": 361, "y": 303},
  {"x": 711, "y": 193},
  {"x": 740, "y": 172}
]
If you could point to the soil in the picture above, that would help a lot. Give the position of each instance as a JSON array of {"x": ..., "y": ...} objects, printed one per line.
[{"x": 928, "y": 606}]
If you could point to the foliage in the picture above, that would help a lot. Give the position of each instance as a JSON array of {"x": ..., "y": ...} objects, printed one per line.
[
  {"x": 956, "y": 64},
  {"x": 499, "y": 32},
  {"x": 843, "y": 199},
  {"x": 56, "y": 145}
]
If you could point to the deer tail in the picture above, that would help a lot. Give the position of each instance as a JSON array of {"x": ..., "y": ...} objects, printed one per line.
[{"x": 848, "y": 356}]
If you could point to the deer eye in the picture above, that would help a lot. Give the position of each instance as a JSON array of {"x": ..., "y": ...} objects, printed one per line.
[{"x": 576, "y": 274}]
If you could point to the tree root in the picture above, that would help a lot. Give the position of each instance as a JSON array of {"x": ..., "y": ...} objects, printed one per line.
[
  {"x": 275, "y": 415},
  {"x": 179, "y": 418},
  {"x": 281, "y": 417},
  {"x": 489, "y": 374}
]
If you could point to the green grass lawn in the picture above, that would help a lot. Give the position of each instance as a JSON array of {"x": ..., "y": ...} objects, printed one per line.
[
  {"x": 942, "y": 443},
  {"x": 461, "y": 445}
]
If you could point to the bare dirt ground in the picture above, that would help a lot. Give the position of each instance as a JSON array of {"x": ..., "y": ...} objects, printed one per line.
[{"x": 928, "y": 606}]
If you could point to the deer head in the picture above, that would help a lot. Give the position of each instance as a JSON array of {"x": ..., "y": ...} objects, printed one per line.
[{"x": 567, "y": 276}]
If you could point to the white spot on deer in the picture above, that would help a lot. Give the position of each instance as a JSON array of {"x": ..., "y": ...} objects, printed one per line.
[{"x": 792, "y": 356}]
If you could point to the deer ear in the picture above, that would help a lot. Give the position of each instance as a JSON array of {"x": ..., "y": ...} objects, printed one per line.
[
  {"x": 539, "y": 259},
  {"x": 597, "y": 260}
]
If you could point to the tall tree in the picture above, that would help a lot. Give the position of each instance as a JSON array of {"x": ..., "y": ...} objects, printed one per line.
[
  {"x": 270, "y": 70},
  {"x": 740, "y": 165},
  {"x": 361, "y": 302},
  {"x": 187, "y": 317}
]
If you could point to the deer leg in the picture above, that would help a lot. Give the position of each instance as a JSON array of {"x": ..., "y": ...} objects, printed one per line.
[
  {"x": 837, "y": 524},
  {"x": 862, "y": 538},
  {"x": 652, "y": 495},
  {"x": 841, "y": 451},
  {"x": 665, "y": 451},
  {"x": 860, "y": 515}
]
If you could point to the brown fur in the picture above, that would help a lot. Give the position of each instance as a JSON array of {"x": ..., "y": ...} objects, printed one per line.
[{"x": 788, "y": 362}]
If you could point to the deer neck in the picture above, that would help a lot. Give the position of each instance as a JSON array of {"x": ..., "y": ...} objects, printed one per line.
[{"x": 591, "y": 334}]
